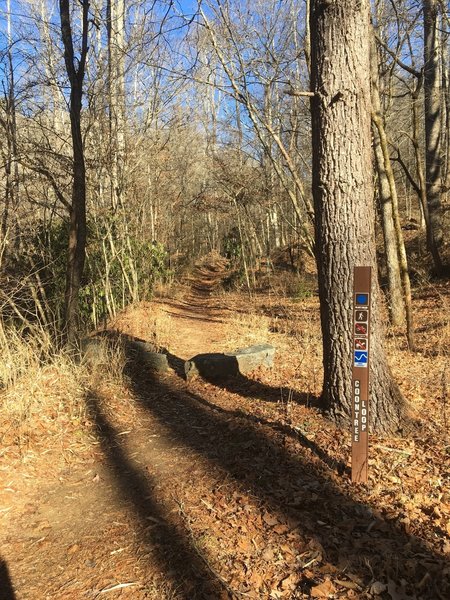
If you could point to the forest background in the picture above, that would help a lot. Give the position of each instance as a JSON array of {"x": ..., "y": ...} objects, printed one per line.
[{"x": 195, "y": 135}]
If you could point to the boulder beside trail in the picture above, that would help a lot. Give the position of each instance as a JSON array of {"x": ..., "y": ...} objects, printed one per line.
[
  {"x": 145, "y": 353},
  {"x": 231, "y": 364},
  {"x": 250, "y": 358},
  {"x": 97, "y": 351}
]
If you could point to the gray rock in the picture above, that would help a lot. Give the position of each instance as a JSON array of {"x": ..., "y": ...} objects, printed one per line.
[
  {"x": 211, "y": 366},
  {"x": 145, "y": 352},
  {"x": 94, "y": 351},
  {"x": 249, "y": 359},
  {"x": 230, "y": 364}
]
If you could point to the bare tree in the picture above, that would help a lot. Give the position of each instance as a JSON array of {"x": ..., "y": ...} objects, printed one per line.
[
  {"x": 424, "y": 132},
  {"x": 246, "y": 77},
  {"x": 400, "y": 300},
  {"x": 75, "y": 67},
  {"x": 10, "y": 152},
  {"x": 116, "y": 88},
  {"x": 433, "y": 123}
]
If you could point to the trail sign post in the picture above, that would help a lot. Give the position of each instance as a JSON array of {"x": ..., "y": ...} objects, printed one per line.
[{"x": 362, "y": 290}]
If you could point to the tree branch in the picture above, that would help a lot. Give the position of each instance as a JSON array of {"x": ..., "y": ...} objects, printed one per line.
[
  {"x": 403, "y": 165},
  {"x": 400, "y": 63},
  {"x": 49, "y": 176}
]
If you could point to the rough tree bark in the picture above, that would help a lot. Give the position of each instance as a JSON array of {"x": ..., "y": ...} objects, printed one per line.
[
  {"x": 75, "y": 68},
  {"x": 343, "y": 198}
]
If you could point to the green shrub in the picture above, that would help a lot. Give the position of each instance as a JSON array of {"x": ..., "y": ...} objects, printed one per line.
[
  {"x": 119, "y": 270},
  {"x": 302, "y": 291}
]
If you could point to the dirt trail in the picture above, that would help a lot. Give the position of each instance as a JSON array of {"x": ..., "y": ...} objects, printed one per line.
[
  {"x": 197, "y": 328},
  {"x": 198, "y": 320},
  {"x": 97, "y": 525}
]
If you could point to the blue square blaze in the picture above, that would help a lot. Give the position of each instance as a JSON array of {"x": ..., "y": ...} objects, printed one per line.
[{"x": 362, "y": 299}]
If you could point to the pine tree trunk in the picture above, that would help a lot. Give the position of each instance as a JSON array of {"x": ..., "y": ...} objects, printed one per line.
[{"x": 344, "y": 207}]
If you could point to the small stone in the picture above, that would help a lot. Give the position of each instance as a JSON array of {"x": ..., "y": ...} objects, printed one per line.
[{"x": 377, "y": 588}]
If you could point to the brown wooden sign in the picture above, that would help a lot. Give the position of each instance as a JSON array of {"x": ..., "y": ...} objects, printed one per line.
[{"x": 362, "y": 290}]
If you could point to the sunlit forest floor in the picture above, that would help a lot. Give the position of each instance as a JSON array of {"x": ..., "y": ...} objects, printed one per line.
[{"x": 160, "y": 488}]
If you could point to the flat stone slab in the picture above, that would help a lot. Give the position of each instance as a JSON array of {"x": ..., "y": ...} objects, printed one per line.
[
  {"x": 231, "y": 364},
  {"x": 145, "y": 352},
  {"x": 96, "y": 350},
  {"x": 250, "y": 358}
]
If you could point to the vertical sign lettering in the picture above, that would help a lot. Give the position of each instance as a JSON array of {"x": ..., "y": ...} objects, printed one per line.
[{"x": 362, "y": 290}]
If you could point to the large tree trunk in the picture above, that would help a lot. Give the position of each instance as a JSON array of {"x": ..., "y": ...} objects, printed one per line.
[
  {"x": 433, "y": 131},
  {"x": 343, "y": 198},
  {"x": 77, "y": 227}
]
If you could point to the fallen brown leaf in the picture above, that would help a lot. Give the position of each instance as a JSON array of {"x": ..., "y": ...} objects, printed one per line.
[{"x": 323, "y": 590}]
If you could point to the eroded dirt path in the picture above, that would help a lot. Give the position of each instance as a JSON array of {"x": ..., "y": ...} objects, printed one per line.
[
  {"x": 111, "y": 521},
  {"x": 197, "y": 328},
  {"x": 198, "y": 491}
]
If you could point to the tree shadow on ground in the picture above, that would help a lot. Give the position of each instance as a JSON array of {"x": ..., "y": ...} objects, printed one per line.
[
  {"x": 171, "y": 548},
  {"x": 430, "y": 327},
  {"x": 354, "y": 537},
  {"x": 175, "y": 363},
  {"x": 195, "y": 315},
  {"x": 6, "y": 586},
  {"x": 284, "y": 430},
  {"x": 241, "y": 386}
]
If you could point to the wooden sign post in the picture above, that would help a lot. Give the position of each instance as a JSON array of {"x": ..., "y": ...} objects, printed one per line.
[{"x": 362, "y": 290}]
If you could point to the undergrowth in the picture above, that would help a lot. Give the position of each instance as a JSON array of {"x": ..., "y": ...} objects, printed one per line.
[
  {"x": 146, "y": 321},
  {"x": 246, "y": 329},
  {"x": 43, "y": 390}
]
